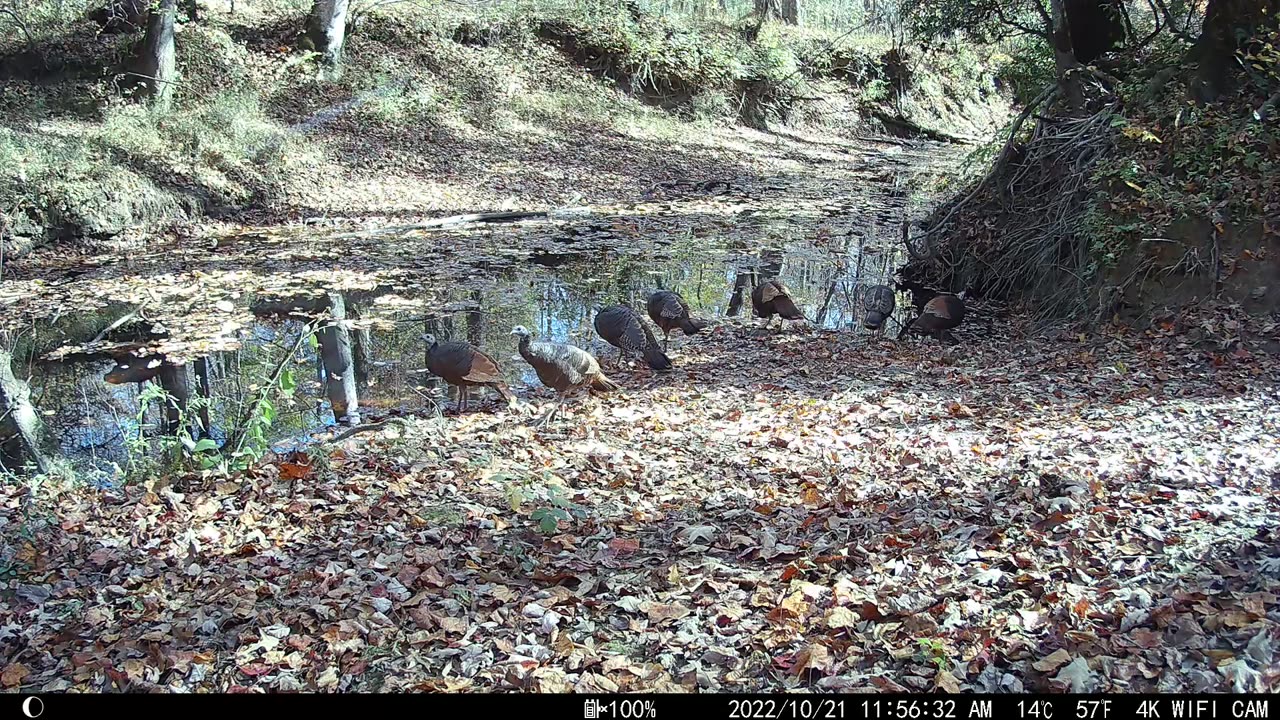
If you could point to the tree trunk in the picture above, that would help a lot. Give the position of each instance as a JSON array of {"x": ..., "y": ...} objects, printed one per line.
[
  {"x": 192, "y": 8},
  {"x": 22, "y": 435},
  {"x": 339, "y": 364},
  {"x": 204, "y": 390},
  {"x": 1226, "y": 23},
  {"x": 1064, "y": 59},
  {"x": 173, "y": 378},
  {"x": 155, "y": 65},
  {"x": 327, "y": 31},
  {"x": 475, "y": 320},
  {"x": 1096, "y": 27},
  {"x": 790, "y": 12}
]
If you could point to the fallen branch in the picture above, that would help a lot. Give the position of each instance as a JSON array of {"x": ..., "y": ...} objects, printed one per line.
[
  {"x": 456, "y": 220},
  {"x": 920, "y": 130},
  {"x": 369, "y": 427},
  {"x": 125, "y": 320},
  {"x": 1263, "y": 113}
]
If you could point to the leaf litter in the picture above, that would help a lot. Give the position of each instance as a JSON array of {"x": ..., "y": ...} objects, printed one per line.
[
  {"x": 798, "y": 509},
  {"x": 805, "y": 509}
]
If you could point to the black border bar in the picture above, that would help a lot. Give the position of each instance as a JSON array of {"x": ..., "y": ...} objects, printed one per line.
[{"x": 641, "y": 706}]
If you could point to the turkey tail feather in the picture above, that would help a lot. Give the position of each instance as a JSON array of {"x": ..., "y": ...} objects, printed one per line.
[
  {"x": 787, "y": 308},
  {"x": 691, "y": 326},
  {"x": 657, "y": 359},
  {"x": 504, "y": 392},
  {"x": 874, "y": 321},
  {"x": 600, "y": 383}
]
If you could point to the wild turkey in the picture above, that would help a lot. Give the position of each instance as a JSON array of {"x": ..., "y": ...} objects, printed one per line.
[
  {"x": 771, "y": 298},
  {"x": 669, "y": 311},
  {"x": 463, "y": 366},
  {"x": 624, "y": 329},
  {"x": 942, "y": 313},
  {"x": 563, "y": 368},
  {"x": 879, "y": 302}
]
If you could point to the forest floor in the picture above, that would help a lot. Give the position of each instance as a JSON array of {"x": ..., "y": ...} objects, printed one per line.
[{"x": 795, "y": 509}]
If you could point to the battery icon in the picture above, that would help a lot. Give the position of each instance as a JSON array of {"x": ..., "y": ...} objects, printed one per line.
[{"x": 591, "y": 709}]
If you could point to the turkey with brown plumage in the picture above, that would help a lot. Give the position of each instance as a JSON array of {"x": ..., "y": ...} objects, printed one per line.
[
  {"x": 464, "y": 366},
  {"x": 940, "y": 315},
  {"x": 563, "y": 368},
  {"x": 669, "y": 311},
  {"x": 771, "y": 298}
]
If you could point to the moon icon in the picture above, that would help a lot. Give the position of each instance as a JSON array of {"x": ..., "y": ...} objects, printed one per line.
[{"x": 33, "y": 707}]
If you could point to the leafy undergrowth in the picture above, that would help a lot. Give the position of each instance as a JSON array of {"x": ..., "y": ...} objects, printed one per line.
[
  {"x": 1151, "y": 182},
  {"x": 1177, "y": 160},
  {"x": 796, "y": 509}
]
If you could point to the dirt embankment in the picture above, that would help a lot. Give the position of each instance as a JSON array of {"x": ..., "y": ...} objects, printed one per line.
[{"x": 431, "y": 116}]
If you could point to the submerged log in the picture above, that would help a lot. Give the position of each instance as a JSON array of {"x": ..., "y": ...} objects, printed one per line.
[
  {"x": 363, "y": 338},
  {"x": 743, "y": 282},
  {"x": 134, "y": 370},
  {"x": 204, "y": 390},
  {"x": 277, "y": 306},
  {"x": 475, "y": 319}
]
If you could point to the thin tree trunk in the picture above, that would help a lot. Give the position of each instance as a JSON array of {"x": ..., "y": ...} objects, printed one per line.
[
  {"x": 20, "y": 424},
  {"x": 1064, "y": 59},
  {"x": 156, "y": 65},
  {"x": 339, "y": 365},
  {"x": 174, "y": 380},
  {"x": 790, "y": 11},
  {"x": 204, "y": 390},
  {"x": 327, "y": 30}
]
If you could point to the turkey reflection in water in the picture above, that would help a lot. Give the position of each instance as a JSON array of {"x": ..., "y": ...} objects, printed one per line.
[{"x": 374, "y": 365}]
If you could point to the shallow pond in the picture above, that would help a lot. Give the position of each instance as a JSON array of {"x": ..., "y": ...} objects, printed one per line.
[{"x": 551, "y": 276}]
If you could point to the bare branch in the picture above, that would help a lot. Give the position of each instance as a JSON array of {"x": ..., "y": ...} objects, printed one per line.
[
  {"x": 1044, "y": 15},
  {"x": 1045, "y": 96},
  {"x": 21, "y": 25},
  {"x": 1024, "y": 28},
  {"x": 1173, "y": 23}
]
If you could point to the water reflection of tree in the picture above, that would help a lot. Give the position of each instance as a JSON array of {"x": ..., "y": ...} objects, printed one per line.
[{"x": 558, "y": 299}]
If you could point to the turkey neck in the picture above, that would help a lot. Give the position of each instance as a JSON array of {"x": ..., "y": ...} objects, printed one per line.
[
  {"x": 524, "y": 347},
  {"x": 431, "y": 351}
]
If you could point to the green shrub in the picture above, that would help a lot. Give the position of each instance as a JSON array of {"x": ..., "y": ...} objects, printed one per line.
[
  {"x": 1026, "y": 66},
  {"x": 139, "y": 168},
  {"x": 212, "y": 63}
]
